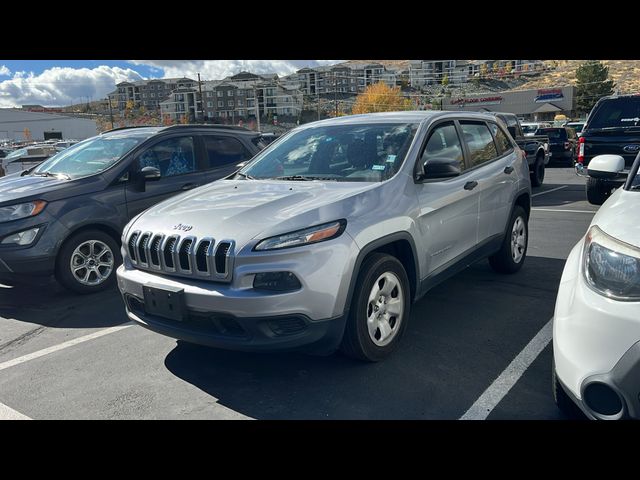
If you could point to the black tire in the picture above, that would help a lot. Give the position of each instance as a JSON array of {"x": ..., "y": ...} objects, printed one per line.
[
  {"x": 64, "y": 274},
  {"x": 563, "y": 401},
  {"x": 537, "y": 174},
  {"x": 356, "y": 342},
  {"x": 503, "y": 261},
  {"x": 597, "y": 191}
]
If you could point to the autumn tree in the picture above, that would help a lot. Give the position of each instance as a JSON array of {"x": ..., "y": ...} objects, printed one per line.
[
  {"x": 592, "y": 83},
  {"x": 445, "y": 80},
  {"x": 381, "y": 98},
  {"x": 483, "y": 70}
]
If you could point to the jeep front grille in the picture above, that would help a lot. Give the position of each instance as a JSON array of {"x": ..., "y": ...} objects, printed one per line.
[{"x": 185, "y": 256}]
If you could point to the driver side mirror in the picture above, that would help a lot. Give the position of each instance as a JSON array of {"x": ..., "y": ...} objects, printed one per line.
[
  {"x": 149, "y": 174},
  {"x": 439, "y": 168}
]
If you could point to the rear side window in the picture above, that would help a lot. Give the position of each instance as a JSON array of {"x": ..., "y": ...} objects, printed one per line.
[
  {"x": 223, "y": 150},
  {"x": 479, "y": 141},
  {"x": 616, "y": 112},
  {"x": 504, "y": 144}
]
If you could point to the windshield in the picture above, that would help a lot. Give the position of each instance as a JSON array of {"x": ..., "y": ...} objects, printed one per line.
[
  {"x": 349, "y": 153},
  {"x": 616, "y": 113},
  {"x": 90, "y": 156},
  {"x": 17, "y": 153}
]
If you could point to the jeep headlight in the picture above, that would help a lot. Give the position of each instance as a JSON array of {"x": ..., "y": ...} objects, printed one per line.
[
  {"x": 21, "y": 210},
  {"x": 306, "y": 236},
  {"x": 611, "y": 267}
]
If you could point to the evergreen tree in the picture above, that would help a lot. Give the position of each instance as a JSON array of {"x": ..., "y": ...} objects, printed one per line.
[{"x": 592, "y": 84}]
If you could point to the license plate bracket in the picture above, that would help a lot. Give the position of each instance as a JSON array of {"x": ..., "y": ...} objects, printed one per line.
[{"x": 165, "y": 301}]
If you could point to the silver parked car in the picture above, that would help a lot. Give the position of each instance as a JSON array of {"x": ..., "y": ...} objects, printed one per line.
[{"x": 328, "y": 235}]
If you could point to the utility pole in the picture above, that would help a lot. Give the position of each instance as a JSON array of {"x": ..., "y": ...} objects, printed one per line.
[
  {"x": 318, "y": 102},
  {"x": 335, "y": 94},
  {"x": 201, "y": 98},
  {"x": 110, "y": 111},
  {"x": 255, "y": 99}
]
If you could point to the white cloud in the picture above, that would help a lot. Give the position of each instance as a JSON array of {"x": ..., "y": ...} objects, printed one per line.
[
  {"x": 4, "y": 71},
  {"x": 218, "y": 69},
  {"x": 62, "y": 86}
]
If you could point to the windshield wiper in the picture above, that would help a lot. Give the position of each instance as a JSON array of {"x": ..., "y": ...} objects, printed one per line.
[
  {"x": 54, "y": 175},
  {"x": 248, "y": 177},
  {"x": 304, "y": 178}
]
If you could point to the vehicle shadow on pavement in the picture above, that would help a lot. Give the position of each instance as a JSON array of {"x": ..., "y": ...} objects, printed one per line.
[
  {"x": 460, "y": 337},
  {"x": 49, "y": 304},
  {"x": 569, "y": 195}
]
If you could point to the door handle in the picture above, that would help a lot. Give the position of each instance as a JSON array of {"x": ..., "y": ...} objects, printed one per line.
[
  {"x": 470, "y": 185},
  {"x": 189, "y": 186},
  {"x": 508, "y": 169}
]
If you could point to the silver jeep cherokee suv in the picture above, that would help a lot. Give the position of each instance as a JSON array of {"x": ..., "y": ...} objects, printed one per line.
[{"x": 327, "y": 236}]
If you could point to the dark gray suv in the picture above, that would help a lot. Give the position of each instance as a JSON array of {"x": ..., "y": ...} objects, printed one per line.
[{"x": 66, "y": 215}]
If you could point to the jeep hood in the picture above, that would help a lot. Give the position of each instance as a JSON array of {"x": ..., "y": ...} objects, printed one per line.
[{"x": 241, "y": 210}]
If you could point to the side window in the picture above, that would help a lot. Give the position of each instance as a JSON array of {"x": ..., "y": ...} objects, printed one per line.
[
  {"x": 223, "y": 151},
  {"x": 443, "y": 144},
  {"x": 479, "y": 141},
  {"x": 173, "y": 156},
  {"x": 504, "y": 144}
]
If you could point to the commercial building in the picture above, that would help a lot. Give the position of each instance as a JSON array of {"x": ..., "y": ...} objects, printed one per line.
[
  {"x": 19, "y": 125},
  {"x": 536, "y": 105}
]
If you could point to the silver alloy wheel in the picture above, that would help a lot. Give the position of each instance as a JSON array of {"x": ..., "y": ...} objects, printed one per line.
[
  {"x": 385, "y": 309},
  {"x": 92, "y": 262},
  {"x": 518, "y": 240}
]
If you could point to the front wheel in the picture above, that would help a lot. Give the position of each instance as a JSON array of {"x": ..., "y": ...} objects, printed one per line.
[
  {"x": 379, "y": 310},
  {"x": 512, "y": 253},
  {"x": 87, "y": 262}
]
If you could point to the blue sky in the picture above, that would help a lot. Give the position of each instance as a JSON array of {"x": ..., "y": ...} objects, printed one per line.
[{"x": 62, "y": 82}]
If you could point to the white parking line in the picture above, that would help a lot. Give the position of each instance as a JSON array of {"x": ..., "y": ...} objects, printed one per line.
[
  {"x": 61, "y": 346},
  {"x": 549, "y": 191},
  {"x": 482, "y": 407},
  {"x": 8, "y": 413},
  {"x": 563, "y": 210}
]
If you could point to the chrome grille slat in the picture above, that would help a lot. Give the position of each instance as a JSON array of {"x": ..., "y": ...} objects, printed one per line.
[{"x": 186, "y": 256}]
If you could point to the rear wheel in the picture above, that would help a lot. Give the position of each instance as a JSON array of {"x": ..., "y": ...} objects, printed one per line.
[
  {"x": 537, "y": 175},
  {"x": 597, "y": 191},
  {"x": 379, "y": 311},
  {"x": 87, "y": 262}
]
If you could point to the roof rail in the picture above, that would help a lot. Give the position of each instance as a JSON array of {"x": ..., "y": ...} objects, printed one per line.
[
  {"x": 209, "y": 125},
  {"x": 127, "y": 128}
]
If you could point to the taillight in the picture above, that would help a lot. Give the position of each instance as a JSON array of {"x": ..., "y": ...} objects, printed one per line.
[{"x": 581, "y": 150}]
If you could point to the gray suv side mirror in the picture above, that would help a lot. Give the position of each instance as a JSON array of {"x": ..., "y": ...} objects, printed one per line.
[
  {"x": 438, "y": 168},
  {"x": 150, "y": 174}
]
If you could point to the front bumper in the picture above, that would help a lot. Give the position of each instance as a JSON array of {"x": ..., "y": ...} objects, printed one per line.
[{"x": 596, "y": 344}]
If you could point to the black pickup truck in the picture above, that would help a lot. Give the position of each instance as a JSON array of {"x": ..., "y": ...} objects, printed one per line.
[
  {"x": 613, "y": 127},
  {"x": 536, "y": 148}
]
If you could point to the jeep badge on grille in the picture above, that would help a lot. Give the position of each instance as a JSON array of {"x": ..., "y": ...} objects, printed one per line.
[{"x": 184, "y": 228}]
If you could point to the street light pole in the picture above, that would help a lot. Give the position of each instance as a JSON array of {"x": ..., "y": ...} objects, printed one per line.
[
  {"x": 201, "y": 99},
  {"x": 255, "y": 99},
  {"x": 110, "y": 111}
]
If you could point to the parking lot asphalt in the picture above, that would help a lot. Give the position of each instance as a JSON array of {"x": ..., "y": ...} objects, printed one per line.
[{"x": 64, "y": 356}]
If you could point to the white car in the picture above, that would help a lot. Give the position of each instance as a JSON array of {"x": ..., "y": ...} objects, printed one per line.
[{"x": 596, "y": 326}]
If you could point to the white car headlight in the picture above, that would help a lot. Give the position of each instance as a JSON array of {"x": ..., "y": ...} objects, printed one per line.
[
  {"x": 316, "y": 234},
  {"x": 21, "y": 210},
  {"x": 611, "y": 267}
]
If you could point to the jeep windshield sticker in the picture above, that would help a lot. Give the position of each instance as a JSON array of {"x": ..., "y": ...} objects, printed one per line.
[
  {"x": 378, "y": 167},
  {"x": 391, "y": 158},
  {"x": 630, "y": 119}
]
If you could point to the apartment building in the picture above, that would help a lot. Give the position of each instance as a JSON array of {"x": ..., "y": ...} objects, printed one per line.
[
  {"x": 346, "y": 79},
  {"x": 233, "y": 99},
  {"x": 147, "y": 93}
]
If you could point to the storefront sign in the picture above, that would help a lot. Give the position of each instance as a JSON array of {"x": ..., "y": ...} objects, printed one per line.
[
  {"x": 549, "y": 94},
  {"x": 477, "y": 101}
]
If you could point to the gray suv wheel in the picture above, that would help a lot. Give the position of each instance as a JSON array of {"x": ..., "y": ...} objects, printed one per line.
[{"x": 379, "y": 311}]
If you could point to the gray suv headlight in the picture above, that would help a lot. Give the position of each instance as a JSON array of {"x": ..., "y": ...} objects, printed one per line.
[
  {"x": 21, "y": 210},
  {"x": 316, "y": 234},
  {"x": 611, "y": 267}
]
